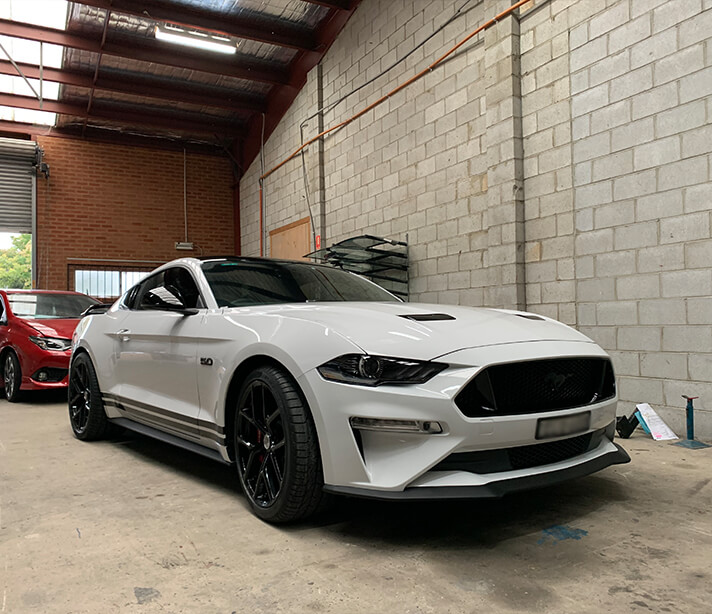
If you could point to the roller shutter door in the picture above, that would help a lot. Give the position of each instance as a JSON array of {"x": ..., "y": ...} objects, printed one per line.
[{"x": 16, "y": 184}]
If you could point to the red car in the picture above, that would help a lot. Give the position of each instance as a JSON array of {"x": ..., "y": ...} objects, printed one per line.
[{"x": 36, "y": 329}]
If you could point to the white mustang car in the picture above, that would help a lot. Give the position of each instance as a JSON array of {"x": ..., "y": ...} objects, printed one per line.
[{"x": 312, "y": 380}]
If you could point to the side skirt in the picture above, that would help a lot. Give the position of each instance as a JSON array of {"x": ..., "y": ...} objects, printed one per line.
[{"x": 171, "y": 439}]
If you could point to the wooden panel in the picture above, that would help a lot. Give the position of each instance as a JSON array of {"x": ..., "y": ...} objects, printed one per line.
[{"x": 292, "y": 241}]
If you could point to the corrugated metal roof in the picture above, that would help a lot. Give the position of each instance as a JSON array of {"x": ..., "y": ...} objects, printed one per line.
[
  {"x": 117, "y": 69},
  {"x": 295, "y": 11}
]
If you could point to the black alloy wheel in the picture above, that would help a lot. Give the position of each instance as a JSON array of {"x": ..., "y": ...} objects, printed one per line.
[
  {"x": 12, "y": 377},
  {"x": 260, "y": 436},
  {"x": 86, "y": 409},
  {"x": 276, "y": 448}
]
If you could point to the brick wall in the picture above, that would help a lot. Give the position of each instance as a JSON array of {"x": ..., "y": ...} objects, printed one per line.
[
  {"x": 573, "y": 177},
  {"x": 126, "y": 203}
]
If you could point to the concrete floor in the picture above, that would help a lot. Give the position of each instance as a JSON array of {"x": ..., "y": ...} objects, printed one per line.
[{"x": 133, "y": 525}]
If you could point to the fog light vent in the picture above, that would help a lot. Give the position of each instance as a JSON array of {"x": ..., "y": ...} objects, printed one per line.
[{"x": 396, "y": 426}]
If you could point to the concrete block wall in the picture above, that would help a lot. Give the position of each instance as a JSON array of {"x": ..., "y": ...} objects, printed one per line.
[
  {"x": 641, "y": 120},
  {"x": 548, "y": 183},
  {"x": 560, "y": 163},
  {"x": 416, "y": 166}
]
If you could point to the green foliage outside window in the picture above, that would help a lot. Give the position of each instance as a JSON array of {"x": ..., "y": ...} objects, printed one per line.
[{"x": 16, "y": 263}]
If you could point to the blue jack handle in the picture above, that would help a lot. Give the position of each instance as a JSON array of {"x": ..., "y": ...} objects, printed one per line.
[{"x": 690, "y": 417}]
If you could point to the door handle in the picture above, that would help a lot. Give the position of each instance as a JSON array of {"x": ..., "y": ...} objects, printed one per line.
[{"x": 123, "y": 334}]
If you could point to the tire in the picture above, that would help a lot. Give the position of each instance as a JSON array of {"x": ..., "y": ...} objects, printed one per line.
[
  {"x": 12, "y": 377},
  {"x": 276, "y": 448},
  {"x": 86, "y": 409}
]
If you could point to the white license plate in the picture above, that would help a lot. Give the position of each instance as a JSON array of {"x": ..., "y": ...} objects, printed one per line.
[{"x": 563, "y": 425}]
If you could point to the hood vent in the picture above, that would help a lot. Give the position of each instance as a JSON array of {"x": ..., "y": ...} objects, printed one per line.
[
  {"x": 427, "y": 317},
  {"x": 529, "y": 316}
]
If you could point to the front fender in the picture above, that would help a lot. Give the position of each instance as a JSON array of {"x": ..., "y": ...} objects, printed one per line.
[{"x": 274, "y": 336}]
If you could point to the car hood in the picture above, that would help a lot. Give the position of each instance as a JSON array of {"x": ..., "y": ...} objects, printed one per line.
[
  {"x": 380, "y": 328},
  {"x": 61, "y": 329}
]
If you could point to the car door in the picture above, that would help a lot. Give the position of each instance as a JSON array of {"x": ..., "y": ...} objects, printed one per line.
[{"x": 156, "y": 357}]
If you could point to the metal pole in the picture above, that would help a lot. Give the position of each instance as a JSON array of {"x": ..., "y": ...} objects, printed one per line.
[
  {"x": 19, "y": 72},
  {"x": 185, "y": 195},
  {"x": 41, "y": 71}
]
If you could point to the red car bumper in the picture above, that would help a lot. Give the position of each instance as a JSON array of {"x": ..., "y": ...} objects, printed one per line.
[{"x": 42, "y": 369}]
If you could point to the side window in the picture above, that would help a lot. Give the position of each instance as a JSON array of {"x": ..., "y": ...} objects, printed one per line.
[
  {"x": 174, "y": 287},
  {"x": 2, "y": 310}
]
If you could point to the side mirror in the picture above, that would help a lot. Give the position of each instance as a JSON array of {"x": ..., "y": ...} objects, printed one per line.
[
  {"x": 95, "y": 309},
  {"x": 167, "y": 299}
]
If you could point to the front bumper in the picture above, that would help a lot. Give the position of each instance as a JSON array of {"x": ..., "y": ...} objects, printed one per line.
[
  {"x": 404, "y": 465},
  {"x": 34, "y": 360},
  {"x": 491, "y": 490}
]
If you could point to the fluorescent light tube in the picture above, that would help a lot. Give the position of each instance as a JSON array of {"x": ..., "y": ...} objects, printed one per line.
[{"x": 198, "y": 40}]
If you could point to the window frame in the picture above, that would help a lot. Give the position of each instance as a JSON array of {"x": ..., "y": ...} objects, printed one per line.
[{"x": 134, "y": 296}]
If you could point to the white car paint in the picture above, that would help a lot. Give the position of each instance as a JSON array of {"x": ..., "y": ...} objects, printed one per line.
[{"x": 151, "y": 362}]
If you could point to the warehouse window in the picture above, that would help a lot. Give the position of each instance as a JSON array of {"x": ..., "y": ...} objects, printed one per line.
[{"x": 105, "y": 283}]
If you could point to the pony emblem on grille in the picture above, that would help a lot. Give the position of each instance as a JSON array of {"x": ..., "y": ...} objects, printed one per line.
[{"x": 556, "y": 380}]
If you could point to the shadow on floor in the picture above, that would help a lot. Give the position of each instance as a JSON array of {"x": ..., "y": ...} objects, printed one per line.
[
  {"x": 186, "y": 463},
  {"x": 433, "y": 524}
]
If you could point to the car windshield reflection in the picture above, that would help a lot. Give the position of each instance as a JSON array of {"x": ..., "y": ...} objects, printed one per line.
[
  {"x": 41, "y": 306},
  {"x": 245, "y": 283}
]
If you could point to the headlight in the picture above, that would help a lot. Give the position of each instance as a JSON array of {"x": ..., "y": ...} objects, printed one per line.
[
  {"x": 52, "y": 343},
  {"x": 376, "y": 370}
]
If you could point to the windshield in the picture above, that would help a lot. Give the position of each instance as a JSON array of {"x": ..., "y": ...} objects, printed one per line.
[
  {"x": 243, "y": 283},
  {"x": 41, "y": 306}
]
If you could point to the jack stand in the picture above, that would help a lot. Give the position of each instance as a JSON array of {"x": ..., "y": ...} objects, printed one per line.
[{"x": 691, "y": 442}]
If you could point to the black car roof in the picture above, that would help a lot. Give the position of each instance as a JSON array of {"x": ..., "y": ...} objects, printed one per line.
[{"x": 258, "y": 259}]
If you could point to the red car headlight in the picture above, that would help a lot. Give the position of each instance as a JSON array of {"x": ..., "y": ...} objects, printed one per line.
[{"x": 52, "y": 343}]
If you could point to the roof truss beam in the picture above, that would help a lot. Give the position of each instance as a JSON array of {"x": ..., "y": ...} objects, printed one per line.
[
  {"x": 149, "y": 51},
  {"x": 189, "y": 93},
  {"x": 126, "y": 116},
  {"x": 104, "y": 135},
  {"x": 279, "y": 33}
]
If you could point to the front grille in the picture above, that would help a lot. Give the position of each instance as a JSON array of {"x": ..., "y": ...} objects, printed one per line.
[
  {"x": 522, "y": 457},
  {"x": 537, "y": 386},
  {"x": 535, "y": 455}
]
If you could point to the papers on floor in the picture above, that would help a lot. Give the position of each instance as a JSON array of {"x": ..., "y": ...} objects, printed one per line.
[{"x": 658, "y": 429}]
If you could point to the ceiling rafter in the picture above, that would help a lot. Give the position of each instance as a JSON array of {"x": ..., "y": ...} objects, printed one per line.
[
  {"x": 179, "y": 122},
  {"x": 105, "y": 135},
  {"x": 150, "y": 51},
  {"x": 139, "y": 85},
  {"x": 282, "y": 34}
]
